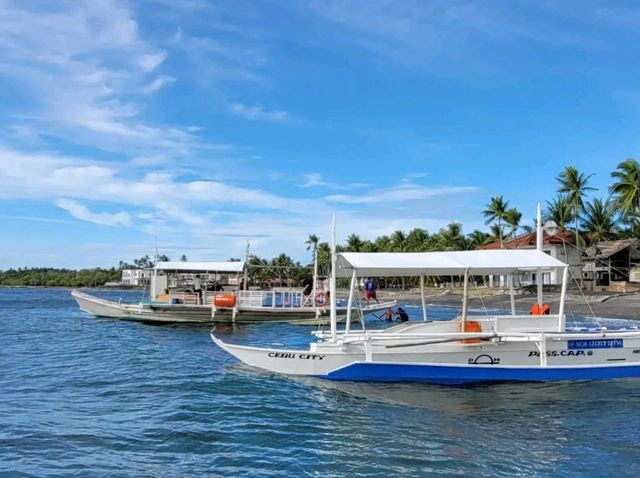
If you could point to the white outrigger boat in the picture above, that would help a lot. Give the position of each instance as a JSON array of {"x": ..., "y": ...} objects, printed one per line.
[
  {"x": 166, "y": 305},
  {"x": 468, "y": 349}
]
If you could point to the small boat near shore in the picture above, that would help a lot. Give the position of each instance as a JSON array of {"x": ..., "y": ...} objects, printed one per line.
[
  {"x": 467, "y": 349},
  {"x": 218, "y": 306}
]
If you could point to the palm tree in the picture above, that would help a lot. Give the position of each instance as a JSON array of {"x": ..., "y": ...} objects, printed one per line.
[
  {"x": 354, "y": 243},
  {"x": 312, "y": 243},
  {"x": 477, "y": 238},
  {"x": 324, "y": 258},
  {"x": 368, "y": 246},
  {"x": 383, "y": 244},
  {"x": 626, "y": 190},
  {"x": 574, "y": 184},
  {"x": 399, "y": 241},
  {"x": 513, "y": 217},
  {"x": 559, "y": 211},
  {"x": 451, "y": 238},
  {"x": 495, "y": 212},
  {"x": 599, "y": 220},
  {"x": 497, "y": 233},
  {"x": 417, "y": 239}
]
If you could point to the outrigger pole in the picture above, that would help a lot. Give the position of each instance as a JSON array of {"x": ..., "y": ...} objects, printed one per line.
[{"x": 332, "y": 283}]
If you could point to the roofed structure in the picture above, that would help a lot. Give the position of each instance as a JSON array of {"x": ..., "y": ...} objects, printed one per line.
[
  {"x": 528, "y": 241},
  {"x": 222, "y": 266},
  {"x": 443, "y": 263},
  {"x": 606, "y": 249}
]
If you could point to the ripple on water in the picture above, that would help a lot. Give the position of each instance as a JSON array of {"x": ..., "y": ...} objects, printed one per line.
[{"x": 87, "y": 396}]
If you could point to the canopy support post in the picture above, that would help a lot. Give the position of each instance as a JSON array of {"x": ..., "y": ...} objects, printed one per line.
[
  {"x": 465, "y": 300},
  {"x": 512, "y": 295},
  {"x": 539, "y": 241},
  {"x": 424, "y": 305},
  {"x": 563, "y": 293},
  {"x": 350, "y": 302},
  {"x": 247, "y": 257},
  {"x": 314, "y": 289},
  {"x": 332, "y": 283}
]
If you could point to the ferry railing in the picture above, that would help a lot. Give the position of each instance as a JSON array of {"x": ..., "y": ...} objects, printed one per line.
[
  {"x": 506, "y": 336},
  {"x": 271, "y": 299}
]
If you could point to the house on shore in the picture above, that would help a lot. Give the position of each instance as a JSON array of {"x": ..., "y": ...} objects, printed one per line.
[
  {"x": 560, "y": 246},
  {"x": 612, "y": 265},
  {"x": 136, "y": 277}
]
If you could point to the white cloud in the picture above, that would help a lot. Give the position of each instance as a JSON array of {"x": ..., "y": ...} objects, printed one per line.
[
  {"x": 259, "y": 113},
  {"x": 151, "y": 61},
  {"x": 46, "y": 175},
  {"x": 315, "y": 180},
  {"x": 400, "y": 193},
  {"x": 158, "y": 83},
  {"x": 83, "y": 69},
  {"x": 81, "y": 212},
  {"x": 418, "y": 33}
]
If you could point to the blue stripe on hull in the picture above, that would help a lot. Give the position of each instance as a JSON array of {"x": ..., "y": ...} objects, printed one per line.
[{"x": 458, "y": 375}]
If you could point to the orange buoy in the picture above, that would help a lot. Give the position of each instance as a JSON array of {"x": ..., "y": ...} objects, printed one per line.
[
  {"x": 225, "y": 301},
  {"x": 537, "y": 309},
  {"x": 471, "y": 326}
]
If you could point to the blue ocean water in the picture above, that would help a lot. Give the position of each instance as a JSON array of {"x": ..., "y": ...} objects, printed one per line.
[{"x": 84, "y": 396}]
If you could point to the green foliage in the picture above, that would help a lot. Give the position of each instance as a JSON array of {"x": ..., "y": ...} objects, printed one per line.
[{"x": 50, "y": 277}]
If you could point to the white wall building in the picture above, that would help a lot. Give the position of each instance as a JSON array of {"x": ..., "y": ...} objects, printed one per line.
[
  {"x": 559, "y": 246},
  {"x": 136, "y": 277}
]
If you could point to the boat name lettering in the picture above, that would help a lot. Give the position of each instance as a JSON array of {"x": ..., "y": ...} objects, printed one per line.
[
  {"x": 287, "y": 355},
  {"x": 310, "y": 357},
  {"x": 562, "y": 353},
  {"x": 595, "y": 344},
  {"x": 291, "y": 355}
]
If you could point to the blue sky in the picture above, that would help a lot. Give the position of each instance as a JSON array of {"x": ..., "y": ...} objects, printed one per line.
[{"x": 207, "y": 124}]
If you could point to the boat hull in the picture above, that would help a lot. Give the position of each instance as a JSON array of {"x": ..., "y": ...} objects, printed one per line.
[
  {"x": 464, "y": 374},
  {"x": 187, "y": 313},
  {"x": 451, "y": 363}
]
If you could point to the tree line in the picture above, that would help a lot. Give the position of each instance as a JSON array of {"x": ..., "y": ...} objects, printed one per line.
[
  {"x": 615, "y": 215},
  {"x": 60, "y": 277}
]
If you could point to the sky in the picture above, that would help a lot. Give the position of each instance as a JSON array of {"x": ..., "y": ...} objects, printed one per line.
[{"x": 206, "y": 124}]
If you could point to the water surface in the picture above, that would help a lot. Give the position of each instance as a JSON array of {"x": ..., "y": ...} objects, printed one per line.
[{"x": 86, "y": 396}]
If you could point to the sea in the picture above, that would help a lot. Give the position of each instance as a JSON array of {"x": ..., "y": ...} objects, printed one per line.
[{"x": 88, "y": 396}]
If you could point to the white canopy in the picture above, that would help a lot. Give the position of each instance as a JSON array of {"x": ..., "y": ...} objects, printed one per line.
[
  {"x": 179, "y": 266},
  {"x": 502, "y": 261}
]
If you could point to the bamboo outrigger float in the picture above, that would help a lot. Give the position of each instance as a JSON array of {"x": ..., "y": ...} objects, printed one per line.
[{"x": 464, "y": 350}]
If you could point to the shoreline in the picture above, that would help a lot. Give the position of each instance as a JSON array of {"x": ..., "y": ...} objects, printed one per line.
[{"x": 614, "y": 305}]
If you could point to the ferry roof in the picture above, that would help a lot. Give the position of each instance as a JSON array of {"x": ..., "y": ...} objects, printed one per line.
[
  {"x": 222, "y": 266},
  {"x": 504, "y": 261}
]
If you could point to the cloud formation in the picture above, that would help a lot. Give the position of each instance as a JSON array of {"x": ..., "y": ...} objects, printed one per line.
[
  {"x": 79, "y": 211},
  {"x": 259, "y": 113}
]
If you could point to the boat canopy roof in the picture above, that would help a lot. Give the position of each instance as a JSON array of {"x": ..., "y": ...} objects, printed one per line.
[
  {"x": 222, "y": 266},
  {"x": 504, "y": 261}
]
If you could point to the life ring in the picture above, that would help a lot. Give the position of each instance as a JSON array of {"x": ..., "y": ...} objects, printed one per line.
[{"x": 321, "y": 299}]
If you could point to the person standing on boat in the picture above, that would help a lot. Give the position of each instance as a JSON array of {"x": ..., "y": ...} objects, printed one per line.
[
  {"x": 370, "y": 290},
  {"x": 197, "y": 287}
]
